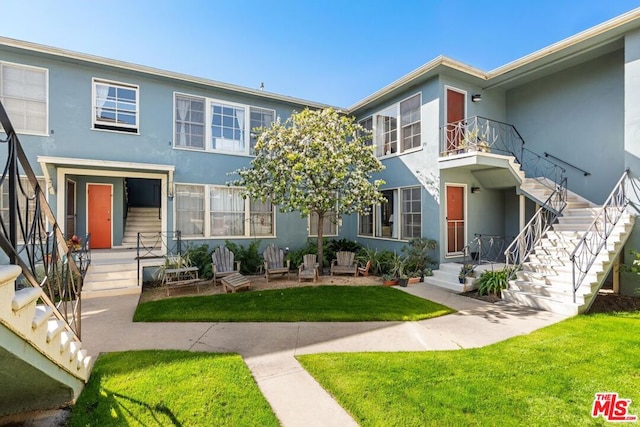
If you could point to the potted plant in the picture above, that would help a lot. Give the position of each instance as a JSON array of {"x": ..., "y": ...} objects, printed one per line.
[
  {"x": 414, "y": 276},
  {"x": 467, "y": 270},
  {"x": 389, "y": 280}
]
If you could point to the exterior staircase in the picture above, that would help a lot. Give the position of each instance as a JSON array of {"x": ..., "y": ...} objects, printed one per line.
[
  {"x": 44, "y": 365},
  {"x": 546, "y": 279},
  {"x": 112, "y": 272},
  {"x": 146, "y": 222}
]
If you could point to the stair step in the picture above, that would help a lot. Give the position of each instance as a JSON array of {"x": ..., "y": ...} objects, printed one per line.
[
  {"x": 24, "y": 297},
  {"x": 568, "y": 308},
  {"x": 54, "y": 327},
  {"x": 65, "y": 340},
  {"x": 43, "y": 313}
]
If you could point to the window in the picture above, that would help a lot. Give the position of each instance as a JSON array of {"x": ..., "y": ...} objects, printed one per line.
[
  {"x": 329, "y": 225},
  {"x": 260, "y": 118},
  {"x": 29, "y": 193},
  {"x": 368, "y": 125},
  {"x": 410, "y": 122},
  {"x": 399, "y": 217},
  {"x": 229, "y": 215},
  {"x": 217, "y": 126},
  {"x": 385, "y": 123},
  {"x": 23, "y": 92},
  {"x": 190, "y": 119},
  {"x": 115, "y": 106}
]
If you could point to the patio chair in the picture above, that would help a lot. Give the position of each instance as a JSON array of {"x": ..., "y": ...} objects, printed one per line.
[
  {"x": 274, "y": 262},
  {"x": 309, "y": 268},
  {"x": 344, "y": 264},
  {"x": 223, "y": 263},
  {"x": 364, "y": 270}
]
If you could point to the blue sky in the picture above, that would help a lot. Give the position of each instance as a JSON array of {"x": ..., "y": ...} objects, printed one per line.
[{"x": 331, "y": 51}]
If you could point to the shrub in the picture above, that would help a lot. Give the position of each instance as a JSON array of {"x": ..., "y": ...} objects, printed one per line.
[
  {"x": 200, "y": 256},
  {"x": 418, "y": 253},
  {"x": 250, "y": 258},
  {"x": 492, "y": 282},
  {"x": 370, "y": 255}
]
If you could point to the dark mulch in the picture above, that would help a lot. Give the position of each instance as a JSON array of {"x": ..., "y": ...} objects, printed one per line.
[{"x": 605, "y": 302}]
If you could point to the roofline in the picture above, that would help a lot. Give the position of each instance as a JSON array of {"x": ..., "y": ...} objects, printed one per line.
[
  {"x": 50, "y": 50},
  {"x": 566, "y": 43},
  {"x": 440, "y": 61}
]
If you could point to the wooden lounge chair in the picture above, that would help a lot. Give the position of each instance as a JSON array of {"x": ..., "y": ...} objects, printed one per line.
[
  {"x": 223, "y": 264},
  {"x": 274, "y": 262},
  {"x": 364, "y": 270},
  {"x": 309, "y": 268},
  {"x": 344, "y": 264}
]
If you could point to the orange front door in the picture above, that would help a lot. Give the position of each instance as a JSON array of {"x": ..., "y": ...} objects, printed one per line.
[
  {"x": 455, "y": 113},
  {"x": 455, "y": 219},
  {"x": 99, "y": 215}
]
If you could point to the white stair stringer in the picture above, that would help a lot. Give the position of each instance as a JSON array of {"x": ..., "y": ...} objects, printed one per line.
[
  {"x": 546, "y": 278},
  {"x": 42, "y": 364}
]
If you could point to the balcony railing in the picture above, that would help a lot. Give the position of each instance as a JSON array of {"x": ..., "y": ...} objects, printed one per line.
[{"x": 31, "y": 237}]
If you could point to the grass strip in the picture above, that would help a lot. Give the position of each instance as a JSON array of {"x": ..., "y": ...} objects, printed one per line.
[
  {"x": 162, "y": 388},
  {"x": 548, "y": 377}
]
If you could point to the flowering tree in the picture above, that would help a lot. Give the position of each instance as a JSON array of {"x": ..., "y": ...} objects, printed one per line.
[{"x": 316, "y": 161}]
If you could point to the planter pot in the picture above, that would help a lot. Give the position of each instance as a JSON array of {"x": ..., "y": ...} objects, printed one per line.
[
  {"x": 461, "y": 279},
  {"x": 390, "y": 282},
  {"x": 414, "y": 280},
  {"x": 403, "y": 282}
]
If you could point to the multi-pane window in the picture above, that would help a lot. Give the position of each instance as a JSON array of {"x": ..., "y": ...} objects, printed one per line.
[
  {"x": 227, "y": 127},
  {"x": 411, "y": 213},
  {"x": 329, "y": 225},
  {"x": 217, "y": 126},
  {"x": 23, "y": 92},
  {"x": 228, "y": 213},
  {"x": 397, "y": 128},
  {"x": 260, "y": 118},
  {"x": 410, "y": 122},
  {"x": 368, "y": 125},
  {"x": 399, "y": 217},
  {"x": 190, "y": 122},
  {"x": 115, "y": 106},
  {"x": 26, "y": 200}
]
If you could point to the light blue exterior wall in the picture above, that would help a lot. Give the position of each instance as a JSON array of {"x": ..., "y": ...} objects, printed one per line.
[{"x": 577, "y": 115}]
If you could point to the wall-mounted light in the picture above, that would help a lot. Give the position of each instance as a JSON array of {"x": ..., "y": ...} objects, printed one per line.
[
  {"x": 475, "y": 189},
  {"x": 476, "y": 97}
]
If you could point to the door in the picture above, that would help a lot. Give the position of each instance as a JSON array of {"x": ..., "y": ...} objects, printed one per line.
[
  {"x": 455, "y": 219},
  {"x": 99, "y": 208},
  {"x": 70, "y": 215},
  {"x": 455, "y": 113}
]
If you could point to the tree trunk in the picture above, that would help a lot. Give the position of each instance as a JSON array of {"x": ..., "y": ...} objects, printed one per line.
[{"x": 320, "y": 241}]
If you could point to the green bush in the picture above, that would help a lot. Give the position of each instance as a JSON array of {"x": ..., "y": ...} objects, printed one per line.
[
  {"x": 251, "y": 261},
  {"x": 419, "y": 253},
  {"x": 492, "y": 282},
  {"x": 200, "y": 256}
]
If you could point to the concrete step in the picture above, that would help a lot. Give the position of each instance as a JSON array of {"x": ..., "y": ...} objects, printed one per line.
[{"x": 567, "y": 308}]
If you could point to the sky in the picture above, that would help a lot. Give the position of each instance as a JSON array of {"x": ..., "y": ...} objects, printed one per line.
[{"x": 329, "y": 51}]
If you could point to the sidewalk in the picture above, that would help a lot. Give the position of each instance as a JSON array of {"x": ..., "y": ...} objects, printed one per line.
[{"x": 269, "y": 348}]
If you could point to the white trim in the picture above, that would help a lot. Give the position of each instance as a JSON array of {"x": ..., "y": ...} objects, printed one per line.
[
  {"x": 397, "y": 213},
  {"x": 87, "y": 209},
  {"x": 46, "y": 95},
  {"x": 448, "y": 254},
  {"x": 73, "y": 161}
]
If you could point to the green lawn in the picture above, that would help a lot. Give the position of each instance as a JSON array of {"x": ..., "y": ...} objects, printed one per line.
[
  {"x": 547, "y": 378},
  {"x": 162, "y": 388},
  {"x": 304, "y": 304}
]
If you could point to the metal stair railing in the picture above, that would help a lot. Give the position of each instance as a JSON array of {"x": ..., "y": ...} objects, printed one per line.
[
  {"x": 157, "y": 245},
  {"x": 31, "y": 236},
  {"x": 596, "y": 236},
  {"x": 536, "y": 228},
  {"x": 485, "y": 248}
]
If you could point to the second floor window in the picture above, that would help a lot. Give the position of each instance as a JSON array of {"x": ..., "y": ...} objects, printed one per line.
[
  {"x": 115, "y": 106},
  {"x": 23, "y": 92},
  {"x": 218, "y": 126}
]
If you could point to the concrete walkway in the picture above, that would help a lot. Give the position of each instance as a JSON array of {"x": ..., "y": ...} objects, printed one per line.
[{"x": 269, "y": 348}]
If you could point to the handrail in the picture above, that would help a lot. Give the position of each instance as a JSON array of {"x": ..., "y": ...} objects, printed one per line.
[
  {"x": 595, "y": 238},
  {"x": 159, "y": 248},
  {"x": 540, "y": 223},
  {"x": 488, "y": 248},
  {"x": 33, "y": 240},
  {"x": 567, "y": 163}
]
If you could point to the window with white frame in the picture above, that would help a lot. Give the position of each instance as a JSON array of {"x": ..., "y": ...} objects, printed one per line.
[
  {"x": 23, "y": 92},
  {"x": 260, "y": 118},
  {"x": 329, "y": 225},
  {"x": 410, "y": 123},
  {"x": 400, "y": 217},
  {"x": 228, "y": 213},
  {"x": 218, "y": 126},
  {"x": 190, "y": 122},
  {"x": 26, "y": 199},
  {"x": 368, "y": 125},
  {"x": 396, "y": 128},
  {"x": 115, "y": 106}
]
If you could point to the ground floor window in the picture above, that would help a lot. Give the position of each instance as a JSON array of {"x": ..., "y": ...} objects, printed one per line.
[
  {"x": 227, "y": 213},
  {"x": 329, "y": 226},
  {"x": 400, "y": 217},
  {"x": 26, "y": 199}
]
